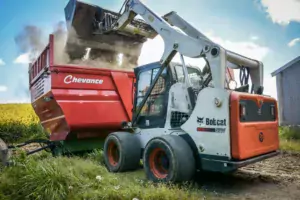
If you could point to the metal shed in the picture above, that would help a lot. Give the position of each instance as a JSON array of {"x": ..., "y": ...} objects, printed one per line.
[{"x": 288, "y": 92}]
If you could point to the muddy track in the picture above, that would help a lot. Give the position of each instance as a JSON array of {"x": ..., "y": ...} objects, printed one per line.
[{"x": 274, "y": 178}]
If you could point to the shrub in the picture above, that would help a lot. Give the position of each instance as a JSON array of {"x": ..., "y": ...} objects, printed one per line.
[
  {"x": 290, "y": 132},
  {"x": 18, "y": 122}
]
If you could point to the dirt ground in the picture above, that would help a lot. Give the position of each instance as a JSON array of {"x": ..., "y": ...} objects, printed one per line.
[{"x": 275, "y": 178}]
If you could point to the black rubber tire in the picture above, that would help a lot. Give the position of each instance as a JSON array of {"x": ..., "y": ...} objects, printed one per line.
[
  {"x": 129, "y": 152},
  {"x": 5, "y": 153},
  {"x": 182, "y": 165}
]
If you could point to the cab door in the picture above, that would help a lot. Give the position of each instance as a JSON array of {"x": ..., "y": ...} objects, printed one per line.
[{"x": 153, "y": 113}]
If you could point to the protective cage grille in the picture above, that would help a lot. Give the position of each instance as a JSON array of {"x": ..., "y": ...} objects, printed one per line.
[{"x": 178, "y": 118}]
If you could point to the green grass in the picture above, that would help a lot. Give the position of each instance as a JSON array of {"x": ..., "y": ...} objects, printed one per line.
[
  {"x": 43, "y": 177},
  {"x": 289, "y": 138},
  {"x": 290, "y": 132},
  {"x": 290, "y": 145}
]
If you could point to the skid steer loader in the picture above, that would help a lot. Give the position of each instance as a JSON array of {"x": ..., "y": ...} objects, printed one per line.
[
  {"x": 180, "y": 126},
  {"x": 182, "y": 119}
]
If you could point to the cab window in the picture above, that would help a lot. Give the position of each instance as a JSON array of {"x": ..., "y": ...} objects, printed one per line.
[
  {"x": 193, "y": 73},
  {"x": 154, "y": 103}
]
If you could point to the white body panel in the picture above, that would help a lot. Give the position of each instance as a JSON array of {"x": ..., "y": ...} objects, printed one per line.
[
  {"x": 145, "y": 135},
  {"x": 209, "y": 143},
  {"x": 212, "y": 143},
  {"x": 178, "y": 101}
]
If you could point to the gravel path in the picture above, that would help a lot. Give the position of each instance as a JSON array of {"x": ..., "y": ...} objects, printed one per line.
[{"x": 277, "y": 178}]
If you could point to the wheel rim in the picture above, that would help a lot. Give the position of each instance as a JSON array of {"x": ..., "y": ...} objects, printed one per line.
[
  {"x": 113, "y": 154},
  {"x": 159, "y": 163}
]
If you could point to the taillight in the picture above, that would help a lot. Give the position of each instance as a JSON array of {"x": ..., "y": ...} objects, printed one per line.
[
  {"x": 242, "y": 111},
  {"x": 273, "y": 111}
]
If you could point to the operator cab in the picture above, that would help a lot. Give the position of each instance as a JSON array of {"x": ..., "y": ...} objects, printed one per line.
[{"x": 154, "y": 111}]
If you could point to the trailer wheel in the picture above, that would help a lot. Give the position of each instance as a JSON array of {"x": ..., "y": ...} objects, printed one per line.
[
  {"x": 169, "y": 159},
  {"x": 122, "y": 152},
  {"x": 5, "y": 154}
]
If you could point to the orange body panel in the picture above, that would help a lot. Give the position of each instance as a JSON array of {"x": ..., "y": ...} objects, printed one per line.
[{"x": 245, "y": 136}]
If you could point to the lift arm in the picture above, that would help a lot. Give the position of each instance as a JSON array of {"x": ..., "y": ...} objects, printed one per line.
[
  {"x": 173, "y": 39},
  {"x": 188, "y": 42},
  {"x": 191, "y": 43}
]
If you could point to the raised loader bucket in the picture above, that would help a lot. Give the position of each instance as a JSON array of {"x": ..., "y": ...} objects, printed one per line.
[{"x": 85, "y": 22}]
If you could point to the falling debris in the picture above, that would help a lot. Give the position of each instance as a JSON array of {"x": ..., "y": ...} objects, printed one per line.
[
  {"x": 60, "y": 38},
  {"x": 31, "y": 41}
]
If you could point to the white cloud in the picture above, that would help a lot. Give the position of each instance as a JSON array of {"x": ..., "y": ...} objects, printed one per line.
[
  {"x": 22, "y": 59},
  {"x": 21, "y": 100},
  {"x": 294, "y": 41},
  {"x": 153, "y": 49},
  {"x": 3, "y": 88},
  {"x": 254, "y": 38},
  {"x": 246, "y": 48},
  {"x": 282, "y": 11},
  {"x": 2, "y": 62},
  {"x": 270, "y": 86}
]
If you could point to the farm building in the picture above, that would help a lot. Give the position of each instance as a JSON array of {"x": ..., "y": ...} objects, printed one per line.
[{"x": 288, "y": 92}]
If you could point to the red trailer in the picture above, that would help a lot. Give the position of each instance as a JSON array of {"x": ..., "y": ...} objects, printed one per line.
[{"x": 79, "y": 105}]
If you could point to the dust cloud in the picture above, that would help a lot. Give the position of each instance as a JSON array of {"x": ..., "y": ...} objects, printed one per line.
[
  {"x": 60, "y": 38},
  {"x": 88, "y": 57},
  {"x": 33, "y": 40}
]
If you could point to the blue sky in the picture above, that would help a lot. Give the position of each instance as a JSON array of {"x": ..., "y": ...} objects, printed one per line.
[{"x": 262, "y": 29}]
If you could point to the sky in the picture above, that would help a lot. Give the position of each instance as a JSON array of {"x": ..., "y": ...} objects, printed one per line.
[{"x": 267, "y": 30}]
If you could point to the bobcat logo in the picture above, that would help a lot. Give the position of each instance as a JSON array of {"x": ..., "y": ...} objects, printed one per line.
[{"x": 200, "y": 120}]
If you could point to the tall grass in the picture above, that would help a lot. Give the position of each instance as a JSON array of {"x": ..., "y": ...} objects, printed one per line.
[
  {"x": 290, "y": 145},
  {"x": 40, "y": 176},
  {"x": 290, "y": 138},
  {"x": 44, "y": 177},
  {"x": 290, "y": 132}
]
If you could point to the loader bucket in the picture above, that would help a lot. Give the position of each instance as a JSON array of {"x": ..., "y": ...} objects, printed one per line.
[{"x": 83, "y": 32}]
